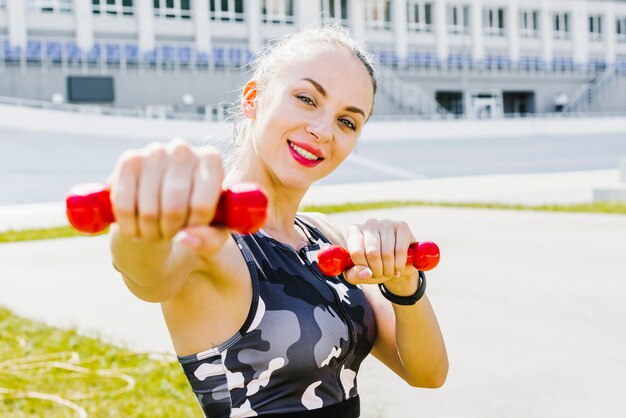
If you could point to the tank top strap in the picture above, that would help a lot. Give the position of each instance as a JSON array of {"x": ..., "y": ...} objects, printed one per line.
[
  {"x": 253, "y": 264},
  {"x": 313, "y": 234}
]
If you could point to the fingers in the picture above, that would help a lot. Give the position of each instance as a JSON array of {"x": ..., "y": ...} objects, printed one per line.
[
  {"x": 176, "y": 188},
  {"x": 158, "y": 190},
  {"x": 149, "y": 190},
  {"x": 123, "y": 184},
  {"x": 207, "y": 183},
  {"x": 378, "y": 247},
  {"x": 404, "y": 239},
  {"x": 204, "y": 240}
]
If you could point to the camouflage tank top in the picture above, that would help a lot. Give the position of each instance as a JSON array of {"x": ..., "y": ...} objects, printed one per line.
[{"x": 300, "y": 348}]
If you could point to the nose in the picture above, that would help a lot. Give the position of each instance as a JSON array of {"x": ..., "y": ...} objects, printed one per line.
[{"x": 321, "y": 128}]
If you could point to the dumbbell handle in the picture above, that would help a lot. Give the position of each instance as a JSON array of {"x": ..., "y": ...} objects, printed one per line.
[
  {"x": 242, "y": 207},
  {"x": 334, "y": 260}
]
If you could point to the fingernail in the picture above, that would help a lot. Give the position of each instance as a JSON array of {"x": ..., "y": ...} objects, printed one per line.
[
  {"x": 397, "y": 274},
  {"x": 365, "y": 273},
  {"x": 187, "y": 240}
]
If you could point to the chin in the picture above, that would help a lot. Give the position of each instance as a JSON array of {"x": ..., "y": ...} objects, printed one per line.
[{"x": 296, "y": 181}]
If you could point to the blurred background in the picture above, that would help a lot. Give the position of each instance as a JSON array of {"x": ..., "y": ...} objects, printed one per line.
[
  {"x": 470, "y": 58},
  {"x": 486, "y": 102},
  {"x": 76, "y": 73}
]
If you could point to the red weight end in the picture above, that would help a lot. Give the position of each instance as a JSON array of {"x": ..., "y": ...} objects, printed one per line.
[
  {"x": 424, "y": 255},
  {"x": 88, "y": 208},
  {"x": 334, "y": 260},
  {"x": 243, "y": 208}
]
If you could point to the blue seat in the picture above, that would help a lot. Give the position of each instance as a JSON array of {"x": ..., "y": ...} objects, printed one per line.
[
  {"x": 412, "y": 59},
  {"x": 202, "y": 58},
  {"x": 184, "y": 55},
  {"x": 430, "y": 59},
  {"x": 166, "y": 53},
  {"x": 503, "y": 62},
  {"x": 388, "y": 58},
  {"x": 11, "y": 53},
  {"x": 489, "y": 61},
  {"x": 53, "y": 51},
  {"x": 235, "y": 56},
  {"x": 568, "y": 64},
  {"x": 131, "y": 54},
  {"x": 218, "y": 56},
  {"x": 33, "y": 51},
  {"x": 113, "y": 53},
  {"x": 597, "y": 65},
  {"x": 93, "y": 55},
  {"x": 457, "y": 61},
  {"x": 150, "y": 57},
  {"x": 73, "y": 52}
]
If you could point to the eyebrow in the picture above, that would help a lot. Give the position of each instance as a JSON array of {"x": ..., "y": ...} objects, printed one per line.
[{"x": 319, "y": 88}]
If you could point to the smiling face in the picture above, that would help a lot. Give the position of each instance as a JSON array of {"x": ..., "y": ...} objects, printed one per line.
[{"x": 308, "y": 118}]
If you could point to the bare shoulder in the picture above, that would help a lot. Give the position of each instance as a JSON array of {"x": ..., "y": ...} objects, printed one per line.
[
  {"x": 325, "y": 225},
  {"x": 212, "y": 305}
]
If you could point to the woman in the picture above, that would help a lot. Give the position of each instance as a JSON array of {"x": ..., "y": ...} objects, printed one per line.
[{"x": 259, "y": 330}]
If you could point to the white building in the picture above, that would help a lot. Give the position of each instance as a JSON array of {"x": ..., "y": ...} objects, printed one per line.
[{"x": 471, "y": 55}]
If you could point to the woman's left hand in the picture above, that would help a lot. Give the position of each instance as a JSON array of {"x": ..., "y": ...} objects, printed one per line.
[{"x": 379, "y": 251}]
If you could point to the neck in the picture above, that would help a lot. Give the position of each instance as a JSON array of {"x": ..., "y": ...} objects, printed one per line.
[{"x": 283, "y": 201}]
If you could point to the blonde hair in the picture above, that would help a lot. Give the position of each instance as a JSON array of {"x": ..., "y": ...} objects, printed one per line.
[{"x": 278, "y": 53}]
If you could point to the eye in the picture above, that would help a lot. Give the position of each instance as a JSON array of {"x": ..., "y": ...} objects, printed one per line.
[
  {"x": 348, "y": 123},
  {"x": 306, "y": 99}
]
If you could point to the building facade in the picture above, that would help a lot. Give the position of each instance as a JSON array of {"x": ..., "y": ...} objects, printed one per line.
[{"x": 422, "y": 43}]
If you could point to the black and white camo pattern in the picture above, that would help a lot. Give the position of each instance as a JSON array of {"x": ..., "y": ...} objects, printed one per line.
[{"x": 302, "y": 344}]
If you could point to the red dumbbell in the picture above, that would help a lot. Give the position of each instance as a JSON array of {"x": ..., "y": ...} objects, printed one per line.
[
  {"x": 334, "y": 260},
  {"x": 242, "y": 208}
]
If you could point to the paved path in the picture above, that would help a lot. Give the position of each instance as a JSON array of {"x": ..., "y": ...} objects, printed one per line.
[
  {"x": 531, "y": 305},
  {"x": 529, "y": 189},
  {"x": 38, "y": 167}
]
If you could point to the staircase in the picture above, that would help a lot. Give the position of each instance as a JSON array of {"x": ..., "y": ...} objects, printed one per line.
[
  {"x": 587, "y": 94},
  {"x": 410, "y": 98}
]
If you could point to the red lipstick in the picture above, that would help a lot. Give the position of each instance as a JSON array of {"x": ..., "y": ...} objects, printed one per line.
[{"x": 302, "y": 160}]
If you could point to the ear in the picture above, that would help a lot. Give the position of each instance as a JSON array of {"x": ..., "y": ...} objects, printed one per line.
[{"x": 248, "y": 99}]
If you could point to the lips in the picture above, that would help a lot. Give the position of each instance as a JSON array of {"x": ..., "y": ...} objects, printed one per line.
[{"x": 305, "y": 154}]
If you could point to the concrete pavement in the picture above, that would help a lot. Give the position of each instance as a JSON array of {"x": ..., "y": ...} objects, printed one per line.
[
  {"x": 529, "y": 189},
  {"x": 530, "y": 303}
]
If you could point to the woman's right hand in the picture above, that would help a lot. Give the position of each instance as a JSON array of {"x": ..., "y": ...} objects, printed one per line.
[{"x": 164, "y": 188}]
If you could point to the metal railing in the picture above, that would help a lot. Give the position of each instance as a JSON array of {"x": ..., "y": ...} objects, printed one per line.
[
  {"x": 587, "y": 93},
  {"x": 215, "y": 113},
  {"x": 409, "y": 96}
]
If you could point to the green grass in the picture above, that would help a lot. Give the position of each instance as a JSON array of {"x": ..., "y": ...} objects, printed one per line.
[
  {"x": 103, "y": 380},
  {"x": 37, "y": 234},
  {"x": 595, "y": 207}
]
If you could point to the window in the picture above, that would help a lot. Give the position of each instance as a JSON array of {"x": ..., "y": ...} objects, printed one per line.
[
  {"x": 335, "y": 11},
  {"x": 560, "y": 29},
  {"x": 595, "y": 28},
  {"x": 378, "y": 14},
  {"x": 112, "y": 7},
  {"x": 493, "y": 21},
  {"x": 458, "y": 19},
  {"x": 620, "y": 28},
  {"x": 172, "y": 9},
  {"x": 419, "y": 16},
  {"x": 278, "y": 11},
  {"x": 529, "y": 24},
  {"x": 50, "y": 6},
  {"x": 226, "y": 10}
]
